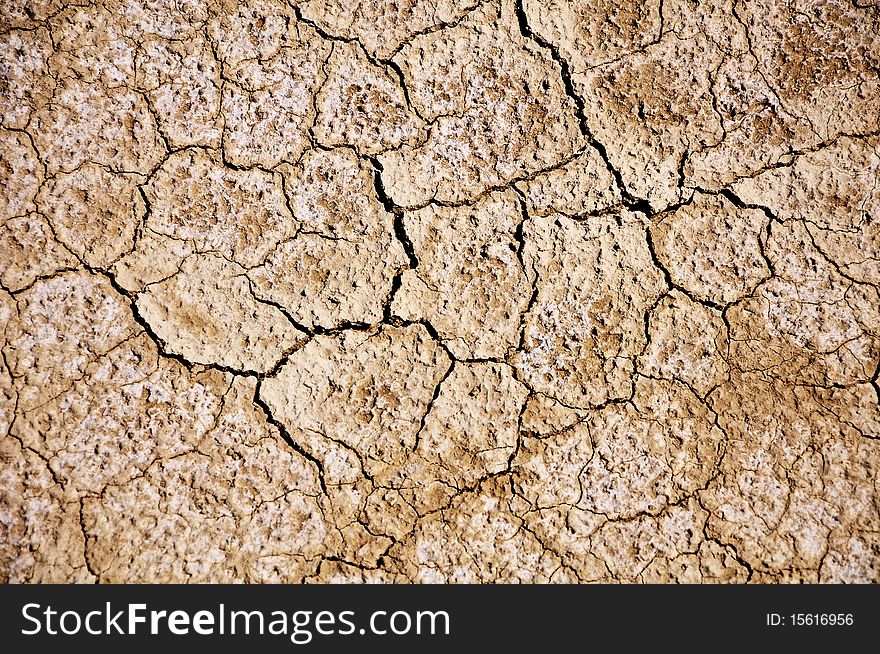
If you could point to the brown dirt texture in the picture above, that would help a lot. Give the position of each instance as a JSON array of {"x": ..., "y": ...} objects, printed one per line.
[{"x": 439, "y": 291}]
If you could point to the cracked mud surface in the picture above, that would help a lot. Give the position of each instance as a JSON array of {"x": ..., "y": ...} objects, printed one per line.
[{"x": 456, "y": 291}]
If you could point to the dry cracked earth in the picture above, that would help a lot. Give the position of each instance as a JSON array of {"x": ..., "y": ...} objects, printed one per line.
[{"x": 440, "y": 291}]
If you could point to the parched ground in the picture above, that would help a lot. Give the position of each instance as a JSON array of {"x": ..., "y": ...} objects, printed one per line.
[{"x": 440, "y": 290}]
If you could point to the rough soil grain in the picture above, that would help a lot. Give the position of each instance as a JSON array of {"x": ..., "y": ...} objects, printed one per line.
[{"x": 448, "y": 291}]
